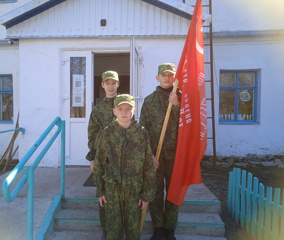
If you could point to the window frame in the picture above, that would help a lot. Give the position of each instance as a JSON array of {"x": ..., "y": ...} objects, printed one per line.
[
  {"x": 237, "y": 89},
  {"x": 7, "y": 91}
]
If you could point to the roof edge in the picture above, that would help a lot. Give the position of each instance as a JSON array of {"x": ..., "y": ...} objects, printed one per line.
[
  {"x": 216, "y": 35},
  {"x": 173, "y": 6},
  {"x": 249, "y": 33},
  {"x": 27, "y": 11}
]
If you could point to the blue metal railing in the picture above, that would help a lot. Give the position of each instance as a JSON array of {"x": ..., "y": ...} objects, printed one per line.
[
  {"x": 29, "y": 174},
  {"x": 16, "y": 129}
]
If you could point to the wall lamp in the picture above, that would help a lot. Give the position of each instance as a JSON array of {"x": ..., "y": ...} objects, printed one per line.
[{"x": 13, "y": 41}]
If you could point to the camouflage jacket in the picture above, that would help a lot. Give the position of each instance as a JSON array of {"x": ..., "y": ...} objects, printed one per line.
[
  {"x": 152, "y": 117},
  {"x": 101, "y": 116},
  {"x": 124, "y": 158}
]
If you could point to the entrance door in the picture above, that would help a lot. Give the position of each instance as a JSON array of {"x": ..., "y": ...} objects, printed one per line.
[
  {"x": 81, "y": 90},
  {"x": 77, "y": 103}
]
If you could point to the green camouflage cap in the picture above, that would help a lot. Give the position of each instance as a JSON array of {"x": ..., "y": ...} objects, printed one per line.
[
  {"x": 110, "y": 74},
  {"x": 167, "y": 67},
  {"x": 124, "y": 98}
]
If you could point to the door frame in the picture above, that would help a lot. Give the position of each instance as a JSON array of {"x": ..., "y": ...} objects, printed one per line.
[
  {"x": 135, "y": 89},
  {"x": 66, "y": 98}
]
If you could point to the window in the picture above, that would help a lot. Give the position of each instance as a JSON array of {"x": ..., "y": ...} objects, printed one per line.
[
  {"x": 238, "y": 97},
  {"x": 6, "y": 99}
]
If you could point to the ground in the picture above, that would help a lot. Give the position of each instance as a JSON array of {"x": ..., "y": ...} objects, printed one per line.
[{"x": 217, "y": 179}]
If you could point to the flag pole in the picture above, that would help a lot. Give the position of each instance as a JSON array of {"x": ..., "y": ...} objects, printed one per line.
[{"x": 162, "y": 136}]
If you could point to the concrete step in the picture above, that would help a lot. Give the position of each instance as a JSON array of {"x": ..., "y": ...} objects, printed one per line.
[
  {"x": 186, "y": 237},
  {"x": 199, "y": 218},
  {"x": 209, "y": 224},
  {"x": 91, "y": 235},
  {"x": 75, "y": 235},
  {"x": 200, "y": 206}
]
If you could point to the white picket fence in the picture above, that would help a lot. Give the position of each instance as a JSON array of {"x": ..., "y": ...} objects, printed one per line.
[{"x": 232, "y": 117}]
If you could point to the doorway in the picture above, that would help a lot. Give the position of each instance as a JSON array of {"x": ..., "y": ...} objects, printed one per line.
[
  {"x": 119, "y": 62},
  {"x": 81, "y": 91}
]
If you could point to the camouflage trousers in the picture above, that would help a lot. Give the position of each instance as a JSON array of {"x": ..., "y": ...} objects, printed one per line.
[
  {"x": 102, "y": 218},
  {"x": 164, "y": 213},
  {"x": 122, "y": 213}
]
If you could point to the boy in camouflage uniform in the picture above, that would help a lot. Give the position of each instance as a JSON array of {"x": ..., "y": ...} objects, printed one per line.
[
  {"x": 101, "y": 116},
  {"x": 123, "y": 172},
  {"x": 164, "y": 218}
]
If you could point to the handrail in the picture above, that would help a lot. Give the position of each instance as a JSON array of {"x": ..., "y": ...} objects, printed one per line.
[
  {"x": 16, "y": 129},
  {"x": 29, "y": 174}
]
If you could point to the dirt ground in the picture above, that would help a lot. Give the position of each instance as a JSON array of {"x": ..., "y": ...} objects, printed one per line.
[{"x": 217, "y": 181}]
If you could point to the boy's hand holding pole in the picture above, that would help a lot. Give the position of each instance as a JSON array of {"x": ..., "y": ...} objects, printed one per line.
[{"x": 142, "y": 204}]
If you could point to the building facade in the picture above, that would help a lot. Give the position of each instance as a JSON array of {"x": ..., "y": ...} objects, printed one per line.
[{"x": 52, "y": 54}]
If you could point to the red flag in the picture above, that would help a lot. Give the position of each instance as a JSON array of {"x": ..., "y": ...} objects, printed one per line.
[{"x": 192, "y": 135}]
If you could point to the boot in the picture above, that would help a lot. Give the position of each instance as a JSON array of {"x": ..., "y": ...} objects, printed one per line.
[
  {"x": 158, "y": 234},
  {"x": 170, "y": 234}
]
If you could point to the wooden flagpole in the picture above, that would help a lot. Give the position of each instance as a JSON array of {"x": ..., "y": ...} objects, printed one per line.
[{"x": 162, "y": 136}]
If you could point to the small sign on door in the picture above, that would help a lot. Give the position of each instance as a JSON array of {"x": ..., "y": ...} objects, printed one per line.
[{"x": 78, "y": 90}]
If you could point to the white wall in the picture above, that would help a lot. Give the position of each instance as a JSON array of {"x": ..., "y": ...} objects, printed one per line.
[
  {"x": 155, "y": 52},
  {"x": 41, "y": 78},
  {"x": 39, "y": 96},
  {"x": 267, "y": 55},
  {"x": 263, "y": 53},
  {"x": 244, "y": 15}
]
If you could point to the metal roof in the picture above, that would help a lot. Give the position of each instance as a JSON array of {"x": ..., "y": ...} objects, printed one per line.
[
  {"x": 85, "y": 18},
  {"x": 36, "y": 7},
  {"x": 174, "y": 7}
]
